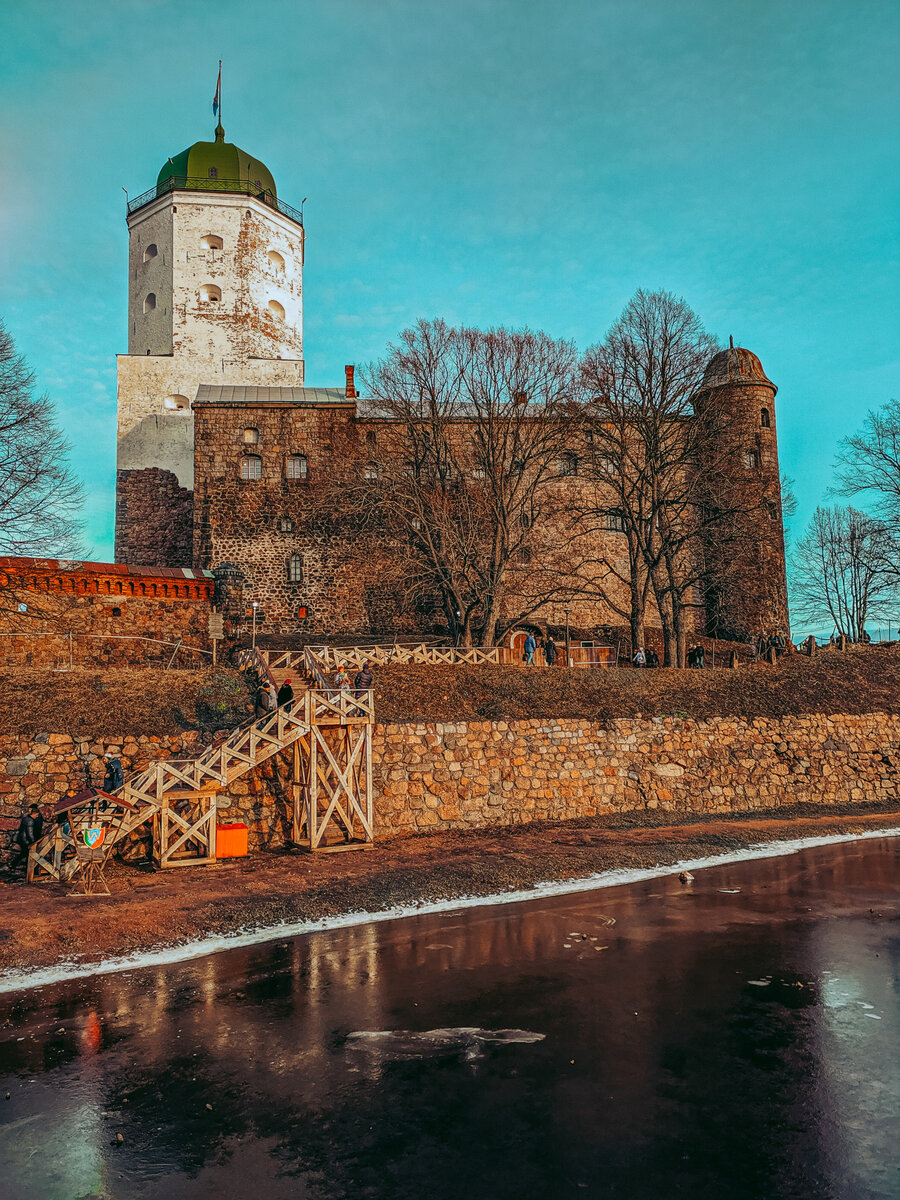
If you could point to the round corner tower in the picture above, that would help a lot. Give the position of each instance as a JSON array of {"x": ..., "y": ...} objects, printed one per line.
[
  {"x": 215, "y": 269},
  {"x": 746, "y": 592}
]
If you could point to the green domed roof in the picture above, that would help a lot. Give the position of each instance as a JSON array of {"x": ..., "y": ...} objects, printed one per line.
[{"x": 213, "y": 166}]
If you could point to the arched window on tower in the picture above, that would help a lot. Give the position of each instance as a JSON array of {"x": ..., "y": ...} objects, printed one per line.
[
  {"x": 751, "y": 459},
  {"x": 764, "y": 418},
  {"x": 251, "y": 467},
  {"x": 295, "y": 568},
  {"x": 276, "y": 261},
  {"x": 276, "y": 310},
  {"x": 150, "y": 252},
  {"x": 149, "y": 302},
  {"x": 209, "y": 293},
  {"x": 211, "y": 241},
  {"x": 176, "y": 403}
]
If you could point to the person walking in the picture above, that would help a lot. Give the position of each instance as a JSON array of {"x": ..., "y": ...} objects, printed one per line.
[
  {"x": 342, "y": 680},
  {"x": 652, "y": 658},
  {"x": 698, "y": 657},
  {"x": 30, "y": 829},
  {"x": 530, "y": 647},
  {"x": 115, "y": 776},
  {"x": 550, "y": 651},
  {"x": 285, "y": 697},
  {"x": 640, "y": 658},
  {"x": 363, "y": 680}
]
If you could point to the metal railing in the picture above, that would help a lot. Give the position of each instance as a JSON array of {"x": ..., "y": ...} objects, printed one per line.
[{"x": 241, "y": 187}]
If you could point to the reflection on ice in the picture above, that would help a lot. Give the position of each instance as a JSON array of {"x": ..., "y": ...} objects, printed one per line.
[{"x": 403, "y": 1043}]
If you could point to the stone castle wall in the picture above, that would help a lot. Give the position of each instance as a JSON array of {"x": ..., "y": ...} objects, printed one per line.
[
  {"x": 98, "y": 614},
  {"x": 154, "y": 519}
]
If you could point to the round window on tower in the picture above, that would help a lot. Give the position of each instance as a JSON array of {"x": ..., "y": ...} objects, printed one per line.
[
  {"x": 176, "y": 403},
  {"x": 149, "y": 302},
  {"x": 211, "y": 241},
  {"x": 276, "y": 261},
  {"x": 210, "y": 293},
  {"x": 276, "y": 310},
  {"x": 150, "y": 252}
]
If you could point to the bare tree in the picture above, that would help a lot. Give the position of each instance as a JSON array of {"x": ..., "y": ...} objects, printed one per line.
[
  {"x": 40, "y": 496},
  {"x": 869, "y": 461},
  {"x": 463, "y": 475},
  {"x": 843, "y": 570},
  {"x": 657, "y": 465}
]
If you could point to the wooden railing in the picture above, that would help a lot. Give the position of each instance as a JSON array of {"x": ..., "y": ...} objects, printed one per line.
[
  {"x": 178, "y": 795},
  {"x": 319, "y": 660}
]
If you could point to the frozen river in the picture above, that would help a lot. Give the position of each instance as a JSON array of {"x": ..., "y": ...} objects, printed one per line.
[{"x": 737, "y": 1037}]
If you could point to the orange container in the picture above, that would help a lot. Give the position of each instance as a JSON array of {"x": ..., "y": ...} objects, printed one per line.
[{"x": 231, "y": 841}]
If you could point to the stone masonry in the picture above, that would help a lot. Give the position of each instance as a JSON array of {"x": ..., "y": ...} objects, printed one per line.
[{"x": 437, "y": 777}]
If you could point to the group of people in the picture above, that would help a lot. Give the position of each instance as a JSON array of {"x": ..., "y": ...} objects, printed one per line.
[
  {"x": 284, "y": 698},
  {"x": 645, "y": 658},
  {"x": 533, "y": 644},
  {"x": 31, "y": 825}
]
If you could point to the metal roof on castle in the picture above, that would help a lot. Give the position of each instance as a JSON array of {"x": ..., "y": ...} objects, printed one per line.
[
  {"x": 80, "y": 567},
  {"x": 208, "y": 393}
]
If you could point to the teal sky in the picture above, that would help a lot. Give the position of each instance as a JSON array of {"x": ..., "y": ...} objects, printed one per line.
[{"x": 488, "y": 161}]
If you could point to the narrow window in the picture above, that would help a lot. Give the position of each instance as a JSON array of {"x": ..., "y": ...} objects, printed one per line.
[
  {"x": 613, "y": 521},
  {"x": 772, "y": 510},
  {"x": 295, "y": 569},
  {"x": 211, "y": 241},
  {"x": 479, "y": 473},
  {"x": 176, "y": 403},
  {"x": 371, "y": 438},
  {"x": 251, "y": 437},
  {"x": 370, "y": 474},
  {"x": 608, "y": 466},
  {"x": 276, "y": 261},
  {"x": 751, "y": 460},
  {"x": 286, "y": 525},
  {"x": 251, "y": 467},
  {"x": 214, "y": 172},
  {"x": 296, "y": 466},
  {"x": 117, "y": 612},
  {"x": 276, "y": 310},
  {"x": 568, "y": 465},
  {"x": 149, "y": 302},
  {"x": 764, "y": 419},
  {"x": 150, "y": 252},
  {"x": 417, "y": 524},
  {"x": 209, "y": 292},
  {"x": 524, "y": 554}
]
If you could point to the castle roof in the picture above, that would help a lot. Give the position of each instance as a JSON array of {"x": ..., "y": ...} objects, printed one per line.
[
  {"x": 209, "y": 393},
  {"x": 217, "y": 166},
  {"x": 734, "y": 366}
]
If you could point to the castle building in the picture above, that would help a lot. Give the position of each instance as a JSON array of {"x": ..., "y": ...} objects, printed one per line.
[
  {"x": 215, "y": 296},
  {"x": 221, "y": 446}
]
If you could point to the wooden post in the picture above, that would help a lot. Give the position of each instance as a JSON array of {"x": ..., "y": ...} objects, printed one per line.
[{"x": 733, "y": 660}]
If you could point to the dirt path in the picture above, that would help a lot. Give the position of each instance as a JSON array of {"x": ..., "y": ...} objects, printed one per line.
[{"x": 42, "y": 925}]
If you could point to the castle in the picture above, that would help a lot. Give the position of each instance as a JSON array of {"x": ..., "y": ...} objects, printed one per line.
[{"x": 221, "y": 445}]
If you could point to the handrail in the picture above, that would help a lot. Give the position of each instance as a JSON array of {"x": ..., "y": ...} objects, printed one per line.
[{"x": 191, "y": 183}]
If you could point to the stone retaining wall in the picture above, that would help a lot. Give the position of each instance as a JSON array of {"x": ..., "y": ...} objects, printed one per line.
[
  {"x": 430, "y": 777},
  {"x": 465, "y": 776}
]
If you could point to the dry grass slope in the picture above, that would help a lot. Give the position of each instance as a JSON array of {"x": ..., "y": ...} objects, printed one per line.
[
  {"x": 857, "y": 681},
  {"x": 101, "y": 703}
]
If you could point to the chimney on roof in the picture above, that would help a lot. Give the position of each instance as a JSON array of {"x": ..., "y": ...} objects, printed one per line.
[{"x": 349, "y": 386}]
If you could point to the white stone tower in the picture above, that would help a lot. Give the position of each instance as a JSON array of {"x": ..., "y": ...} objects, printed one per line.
[{"x": 215, "y": 269}]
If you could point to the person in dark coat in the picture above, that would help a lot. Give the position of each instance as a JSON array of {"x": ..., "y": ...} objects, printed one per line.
[
  {"x": 285, "y": 697},
  {"x": 652, "y": 658},
  {"x": 550, "y": 651},
  {"x": 363, "y": 680},
  {"x": 30, "y": 829},
  {"x": 115, "y": 776}
]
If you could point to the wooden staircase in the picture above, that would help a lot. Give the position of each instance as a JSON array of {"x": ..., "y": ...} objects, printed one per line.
[{"x": 331, "y": 737}]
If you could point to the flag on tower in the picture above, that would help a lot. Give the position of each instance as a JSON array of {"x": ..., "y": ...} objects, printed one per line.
[{"x": 217, "y": 98}]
